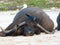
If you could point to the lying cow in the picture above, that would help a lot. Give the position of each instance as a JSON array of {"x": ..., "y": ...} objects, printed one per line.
[{"x": 44, "y": 20}]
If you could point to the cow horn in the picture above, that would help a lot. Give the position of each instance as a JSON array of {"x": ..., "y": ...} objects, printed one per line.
[
  {"x": 44, "y": 29},
  {"x": 1, "y": 28},
  {"x": 22, "y": 23},
  {"x": 4, "y": 30}
]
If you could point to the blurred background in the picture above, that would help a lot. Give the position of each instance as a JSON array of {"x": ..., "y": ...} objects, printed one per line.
[
  {"x": 18, "y": 4},
  {"x": 9, "y": 8}
]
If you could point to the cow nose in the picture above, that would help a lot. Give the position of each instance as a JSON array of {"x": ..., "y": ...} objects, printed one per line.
[
  {"x": 28, "y": 32},
  {"x": 31, "y": 32}
]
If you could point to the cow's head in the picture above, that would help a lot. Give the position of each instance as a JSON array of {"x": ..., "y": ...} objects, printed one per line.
[{"x": 28, "y": 31}]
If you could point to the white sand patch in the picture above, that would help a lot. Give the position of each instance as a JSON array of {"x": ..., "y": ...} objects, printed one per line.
[{"x": 42, "y": 39}]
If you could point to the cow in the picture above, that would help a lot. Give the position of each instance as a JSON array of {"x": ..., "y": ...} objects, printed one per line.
[
  {"x": 58, "y": 22},
  {"x": 43, "y": 20}
]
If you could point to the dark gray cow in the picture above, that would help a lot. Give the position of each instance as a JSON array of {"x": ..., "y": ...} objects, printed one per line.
[
  {"x": 58, "y": 22},
  {"x": 44, "y": 19}
]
